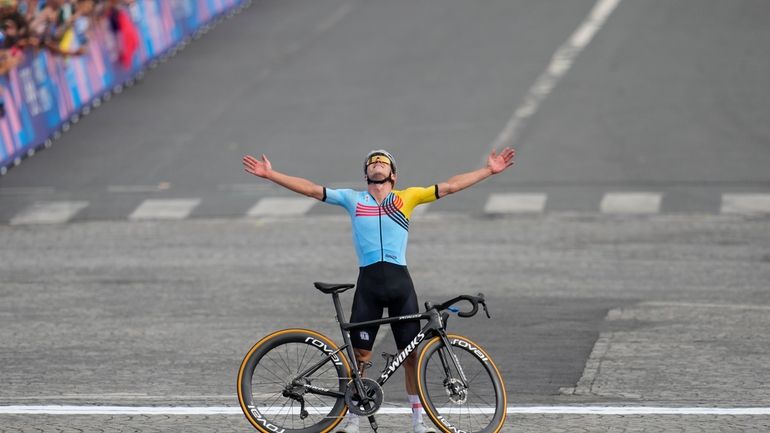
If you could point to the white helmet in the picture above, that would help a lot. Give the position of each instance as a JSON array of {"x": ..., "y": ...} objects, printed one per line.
[{"x": 380, "y": 152}]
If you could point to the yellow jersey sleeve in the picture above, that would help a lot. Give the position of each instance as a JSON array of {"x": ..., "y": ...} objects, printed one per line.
[{"x": 415, "y": 196}]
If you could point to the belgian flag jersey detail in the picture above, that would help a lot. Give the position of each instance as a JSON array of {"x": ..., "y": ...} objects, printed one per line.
[{"x": 381, "y": 231}]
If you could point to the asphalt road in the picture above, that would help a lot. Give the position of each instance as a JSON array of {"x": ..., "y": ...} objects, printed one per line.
[
  {"x": 666, "y": 97},
  {"x": 662, "y": 309}
]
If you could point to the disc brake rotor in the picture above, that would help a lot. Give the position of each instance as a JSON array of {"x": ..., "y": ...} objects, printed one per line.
[{"x": 456, "y": 391}]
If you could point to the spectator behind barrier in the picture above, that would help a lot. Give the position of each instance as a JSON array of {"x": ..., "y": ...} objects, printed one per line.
[
  {"x": 61, "y": 27},
  {"x": 125, "y": 30},
  {"x": 13, "y": 31}
]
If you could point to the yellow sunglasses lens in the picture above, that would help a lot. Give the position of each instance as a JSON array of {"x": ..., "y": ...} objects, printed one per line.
[{"x": 378, "y": 158}]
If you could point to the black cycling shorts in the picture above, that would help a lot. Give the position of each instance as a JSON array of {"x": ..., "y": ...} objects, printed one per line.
[{"x": 384, "y": 285}]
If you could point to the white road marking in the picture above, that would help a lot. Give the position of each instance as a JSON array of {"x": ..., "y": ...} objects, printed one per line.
[
  {"x": 138, "y": 188},
  {"x": 631, "y": 203},
  {"x": 639, "y": 410},
  {"x": 245, "y": 187},
  {"x": 133, "y": 396},
  {"x": 561, "y": 62},
  {"x": 745, "y": 203},
  {"x": 231, "y": 410},
  {"x": 26, "y": 190},
  {"x": 170, "y": 209},
  {"x": 515, "y": 203},
  {"x": 706, "y": 305},
  {"x": 336, "y": 17},
  {"x": 51, "y": 212},
  {"x": 282, "y": 206}
]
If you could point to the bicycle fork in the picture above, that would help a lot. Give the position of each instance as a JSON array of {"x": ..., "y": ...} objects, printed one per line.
[{"x": 454, "y": 389}]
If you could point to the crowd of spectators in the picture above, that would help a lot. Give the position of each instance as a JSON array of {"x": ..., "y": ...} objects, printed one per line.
[{"x": 58, "y": 26}]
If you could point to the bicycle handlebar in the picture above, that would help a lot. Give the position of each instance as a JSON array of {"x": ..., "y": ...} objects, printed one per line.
[{"x": 474, "y": 300}]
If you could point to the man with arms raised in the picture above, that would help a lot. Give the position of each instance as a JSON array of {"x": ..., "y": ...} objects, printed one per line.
[{"x": 380, "y": 217}]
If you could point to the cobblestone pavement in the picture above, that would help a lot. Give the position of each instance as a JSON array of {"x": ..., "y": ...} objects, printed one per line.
[
  {"x": 388, "y": 424},
  {"x": 657, "y": 310},
  {"x": 702, "y": 353}
]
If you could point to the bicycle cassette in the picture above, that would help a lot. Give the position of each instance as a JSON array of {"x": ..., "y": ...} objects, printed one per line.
[{"x": 374, "y": 399}]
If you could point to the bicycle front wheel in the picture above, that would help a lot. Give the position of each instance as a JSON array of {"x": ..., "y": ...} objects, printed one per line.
[
  {"x": 479, "y": 407},
  {"x": 270, "y": 389}
]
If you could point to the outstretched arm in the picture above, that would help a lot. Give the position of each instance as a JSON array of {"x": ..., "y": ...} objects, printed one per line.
[
  {"x": 262, "y": 168},
  {"x": 496, "y": 163}
]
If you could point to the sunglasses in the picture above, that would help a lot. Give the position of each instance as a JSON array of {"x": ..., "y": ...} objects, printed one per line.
[{"x": 378, "y": 158}]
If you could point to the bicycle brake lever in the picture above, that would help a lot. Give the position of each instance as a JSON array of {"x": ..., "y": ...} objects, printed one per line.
[{"x": 484, "y": 304}]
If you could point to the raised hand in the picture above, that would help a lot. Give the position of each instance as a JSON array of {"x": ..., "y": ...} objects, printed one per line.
[
  {"x": 501, "y": 161},
  {"x": 256, "y": 167}
]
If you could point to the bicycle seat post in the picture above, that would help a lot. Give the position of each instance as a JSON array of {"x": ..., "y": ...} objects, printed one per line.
[
  {"x": 345, "y": 333},
  {"x": 338, "y": 307}
]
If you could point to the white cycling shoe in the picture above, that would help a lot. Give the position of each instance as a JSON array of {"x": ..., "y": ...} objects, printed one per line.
[
  {"x": 348, "y": 427},
  {"x": 352, "y": 427},
  {"x": 421, "y": 428}
]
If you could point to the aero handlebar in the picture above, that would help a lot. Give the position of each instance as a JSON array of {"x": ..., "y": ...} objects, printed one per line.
[{"x": 474, "y": 300}]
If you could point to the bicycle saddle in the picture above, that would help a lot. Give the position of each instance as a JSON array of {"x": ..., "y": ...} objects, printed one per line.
[{"x": 332, "y": 288}]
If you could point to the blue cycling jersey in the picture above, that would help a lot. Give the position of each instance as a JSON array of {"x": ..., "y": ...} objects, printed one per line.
[{"x": 380, "y": 231}]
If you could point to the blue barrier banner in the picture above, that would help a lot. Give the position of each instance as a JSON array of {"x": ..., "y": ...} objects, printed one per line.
[{"x": 45, "y": 91}]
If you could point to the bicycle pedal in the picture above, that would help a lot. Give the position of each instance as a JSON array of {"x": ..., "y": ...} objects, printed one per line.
[
  {"x": 388, "y": 357},
  {"x": 362, "y": 366}
]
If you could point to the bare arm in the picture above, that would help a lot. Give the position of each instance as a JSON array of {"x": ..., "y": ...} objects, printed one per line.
[
  {"x": 496, "y": 163},
  {"x": 262, "y": 168}
]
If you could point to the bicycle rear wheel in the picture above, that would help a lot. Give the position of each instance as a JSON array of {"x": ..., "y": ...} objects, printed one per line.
[
  {"x": 267, "y": 372},
  {"x": 478, "y": 408}
]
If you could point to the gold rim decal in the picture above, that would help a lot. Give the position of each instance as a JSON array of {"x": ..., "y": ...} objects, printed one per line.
[
  {"x": 256, "y": 346},
  {"x": 420, "y": 387}
]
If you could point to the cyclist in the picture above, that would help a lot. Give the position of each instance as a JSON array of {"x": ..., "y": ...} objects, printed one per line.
[{"x": 380, "y": 218}]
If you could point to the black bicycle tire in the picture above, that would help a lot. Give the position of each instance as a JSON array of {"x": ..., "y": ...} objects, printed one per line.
[
  {"x": 501, "y": 398},
  {"x": 274, "y": 340}
]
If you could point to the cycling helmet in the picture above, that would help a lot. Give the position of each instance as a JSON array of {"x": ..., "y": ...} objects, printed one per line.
[
  {"x": 380, "y": 153},
  {"x": 383, "y": 153}
]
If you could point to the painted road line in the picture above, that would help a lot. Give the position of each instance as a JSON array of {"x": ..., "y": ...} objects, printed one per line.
[
  {"x": 163, "y": 186},
  {"x": 560, "y": 64},
  {"x": 745, "y": 203},
  {"x": 169, "y": 209},
  {"x": 51, "y": 212},
  {"x": 233, "y": 410},
  {"x": 509, "y": 203},
  {"x": 638, "y": 410},
  {"x": 335, "y": 18},
  {"x": 26, "y": 190},
  {"x": 749, "y": 307},
  {"x": 631, "y": 203},
  {"x": 256, "y": 187},
  {"x": 282, "y": 206}
]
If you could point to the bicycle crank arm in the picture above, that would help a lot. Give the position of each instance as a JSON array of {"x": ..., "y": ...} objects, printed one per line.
[{"x": 373, "y": 423}]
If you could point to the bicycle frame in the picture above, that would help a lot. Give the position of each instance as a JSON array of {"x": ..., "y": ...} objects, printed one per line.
[{"x": 435, "y": 326}]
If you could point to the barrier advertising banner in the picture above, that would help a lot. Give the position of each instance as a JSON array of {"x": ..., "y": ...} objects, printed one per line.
[{"x": 46, "y": 92}]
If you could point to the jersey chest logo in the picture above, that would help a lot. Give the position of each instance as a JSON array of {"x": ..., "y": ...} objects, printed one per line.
[{"x": 391, "y": 207}]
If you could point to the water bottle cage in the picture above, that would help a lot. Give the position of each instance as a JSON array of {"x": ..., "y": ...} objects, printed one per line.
[{"x": 388, "y": 357}]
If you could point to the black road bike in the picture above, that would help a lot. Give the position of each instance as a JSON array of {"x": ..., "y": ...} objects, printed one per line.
[{"x": 300, "y": 381}]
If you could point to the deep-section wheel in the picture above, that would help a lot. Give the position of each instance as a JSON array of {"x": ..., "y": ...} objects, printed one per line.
[
  {"x": 476, "y": 405},
  {"x": 275, "y": 399}
]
